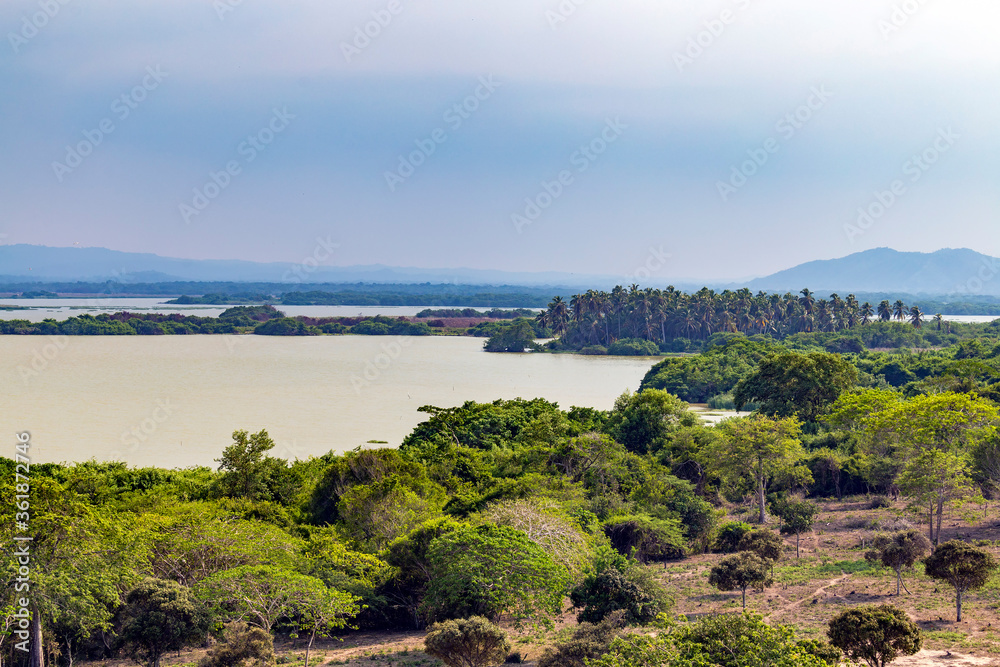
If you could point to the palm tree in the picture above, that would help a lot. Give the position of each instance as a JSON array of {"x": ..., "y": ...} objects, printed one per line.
[
  {"x": 557, "y": 315},
  {"x": 937, "y": 320},
  {"x": 885, "y": 311},
  {"x": 916, "y": 317},
  {"x": 867, "y": 312},
  {"x": 899, "y": 310},
  {"x": 807, "y": 300}
]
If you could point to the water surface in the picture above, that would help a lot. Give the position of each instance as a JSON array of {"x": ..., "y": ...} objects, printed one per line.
[{"x": 174, "y": 401}]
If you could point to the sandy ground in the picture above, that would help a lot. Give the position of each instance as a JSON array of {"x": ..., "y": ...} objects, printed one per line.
[{"x": 939, "y": 658}]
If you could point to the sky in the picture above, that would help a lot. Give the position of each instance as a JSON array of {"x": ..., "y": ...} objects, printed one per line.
[{"x": 674, "y": 139}]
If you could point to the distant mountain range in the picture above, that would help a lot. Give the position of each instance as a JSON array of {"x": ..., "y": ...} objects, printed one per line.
[
  {"x": 954, "y": 273},
  {"x": 47, "y": 264},
  {"x": 960, "y": 272}
]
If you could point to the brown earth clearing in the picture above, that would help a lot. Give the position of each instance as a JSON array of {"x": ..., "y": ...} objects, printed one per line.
[{"x": 831, "y": 575}]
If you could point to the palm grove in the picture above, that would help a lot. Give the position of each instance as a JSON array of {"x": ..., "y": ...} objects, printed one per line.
[
  {"x": 673, "y": 319},
  {"x": 513, "y": 510}
]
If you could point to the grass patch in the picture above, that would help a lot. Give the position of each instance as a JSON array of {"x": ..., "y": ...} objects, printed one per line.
[{"x": 808, "y": 570}]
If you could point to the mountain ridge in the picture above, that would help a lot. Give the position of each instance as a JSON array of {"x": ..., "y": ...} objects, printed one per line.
[{"x": 949, "y": 271}]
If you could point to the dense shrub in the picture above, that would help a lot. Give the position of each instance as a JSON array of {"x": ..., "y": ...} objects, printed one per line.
[
  {"x": 874, "y": 635},
  {"x": 633, "y": 347},
  {"x": 589, "y": 641},
  {"x": 284, "y": 326},
  {"x": 370, "y": 328},
  {"x": 242, "y": 646},
  {"x": 470, "y": 642},
  {"x": 728, "y": 538},
  {"x": 646, "y": 538}
]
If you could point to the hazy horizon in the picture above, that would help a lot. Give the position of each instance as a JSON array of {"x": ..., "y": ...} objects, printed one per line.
[{"x": 428, "y": 141}]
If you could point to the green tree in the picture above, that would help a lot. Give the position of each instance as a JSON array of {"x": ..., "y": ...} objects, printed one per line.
[
  {"x": 648, "y": 420},
  {"x": 516, "y": 337},
  {"x": 875, "y": 635},
  {"x": 739, "y": 572},
  {"x": 760, "y": 449},
  {"x": 159, "y": 616},
  {"x": 730, "y": 534},
  {"x": 491, "y": 570},
  {"x": 83, "y": 557},
  {"x": 375, "y": 514},
  {"x": 797, "y": 517},
  {"x": 791, "y": 383},
  {"x": 963, "y": 566},
  {"x": 615, "y": 584},
  {"x": 765, "y": 543},
  {"x": 897, "y": 551},
  {"x": 263, "y": 594},
  {"x": 937, "y": 433},
  {"x": 470, "y": 642},
  {"x": 246, "y": 471},
  {"x": 546, "y": 525}
]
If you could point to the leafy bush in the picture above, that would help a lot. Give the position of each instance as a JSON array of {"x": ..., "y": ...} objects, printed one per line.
[
  {"x": 720, "y": 641},
  {"x": 284, "y": 326},
  {"x": 633, "y": 347},
  {"x": 730, "y": 533},
  {"x": 589, "y": 641},
  {"x": 160, "y": 616},
  {"x": 618, "y": 587},
  {"x": 594, "y": 350},
  {"x": 875, "y": 635},
  {"x": 370, "y": 328},
  {"x": 242, "y": 646},
  {"x": 470, "y": 642},
  {"x": 516, "y": 337},
  {"x": 646, "y": 538},
  {"x": 765, "y": 543},
  {"x": 491, "y": 570}
]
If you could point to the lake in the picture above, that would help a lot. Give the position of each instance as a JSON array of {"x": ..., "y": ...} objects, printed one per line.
[
  {"x": 174, "y": 401},
  {"x": 36, "y": 310}
]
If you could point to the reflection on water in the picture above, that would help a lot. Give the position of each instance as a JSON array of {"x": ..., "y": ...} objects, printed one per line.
[{"x": 174, "y": 401}]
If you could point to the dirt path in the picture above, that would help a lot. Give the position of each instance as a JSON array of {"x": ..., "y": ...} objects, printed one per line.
[
  {"x": 938, "y": 658},
  {"x": 815, "y": 594}
]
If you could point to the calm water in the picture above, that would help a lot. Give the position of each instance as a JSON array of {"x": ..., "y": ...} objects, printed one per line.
[
  {"x": 36, "y": 310},
  {"x": 174, "y": 401}
]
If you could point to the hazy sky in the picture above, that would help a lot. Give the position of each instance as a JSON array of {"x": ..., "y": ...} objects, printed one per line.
[{"x": 738, "y": 137}]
